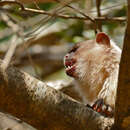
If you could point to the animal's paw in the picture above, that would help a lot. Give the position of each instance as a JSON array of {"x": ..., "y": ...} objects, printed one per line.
[{"x": 102, "y": 108}]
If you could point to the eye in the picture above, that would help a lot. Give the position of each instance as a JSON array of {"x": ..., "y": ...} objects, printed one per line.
[{"x": 74, "y": 48}]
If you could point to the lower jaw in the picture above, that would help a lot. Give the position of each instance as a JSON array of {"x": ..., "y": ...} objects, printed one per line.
[
  {"x": 72, "y": 74},
  {"x": 69, "y": 74}
]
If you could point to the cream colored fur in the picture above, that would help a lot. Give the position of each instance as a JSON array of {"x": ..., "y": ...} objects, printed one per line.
[{"x": 97, "y": 69}]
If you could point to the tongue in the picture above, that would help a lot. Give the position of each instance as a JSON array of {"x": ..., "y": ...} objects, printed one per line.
[{"x": 69, "y": 62}]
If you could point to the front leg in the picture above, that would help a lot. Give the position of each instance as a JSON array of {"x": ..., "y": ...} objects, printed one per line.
[{"x": 102, "y": 108}]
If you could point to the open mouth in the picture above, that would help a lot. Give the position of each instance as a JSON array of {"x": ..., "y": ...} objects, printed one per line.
[{"x": 70, "y": 67}]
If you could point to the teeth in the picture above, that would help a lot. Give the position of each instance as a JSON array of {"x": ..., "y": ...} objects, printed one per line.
[{"x": 69, "y": 67}]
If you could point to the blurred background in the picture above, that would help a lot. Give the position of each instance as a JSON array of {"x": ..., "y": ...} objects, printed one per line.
[{"x": 42, "y": 39}]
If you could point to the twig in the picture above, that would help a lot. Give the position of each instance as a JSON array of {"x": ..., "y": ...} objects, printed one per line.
[
  {"x": 98, "y": 4},
  {"x": 109, "y": 19},
  {"x": 52, "y": 17},
  {"x": 10, "y": 52},
  {"x": 110, "y": 7},
  {"x": 77, "y": 10},
  {"x": 36, "y": 4},
  {"x": 120, "y": 19},
  {"x": 13, "y": 44},
  {"x": 116, "y": 19},
  {"x": 6, "y": 2}
]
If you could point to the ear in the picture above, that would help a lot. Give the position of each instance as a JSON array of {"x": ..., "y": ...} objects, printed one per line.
[{"x": 103, "y": 38}]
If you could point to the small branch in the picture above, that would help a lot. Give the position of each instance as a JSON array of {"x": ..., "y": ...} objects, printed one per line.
[
  {"x": 10, "y": 52},
  {"x": 115, "y": 19},
  {"x": 120, "y": 19},
  {"x": 98, "y": 4},
  {"x": 9, "y": 2},
  {"x": 77, "y": 10},
  {"x": 15, "y": 28},
  {"x": 13, "y": 44}
]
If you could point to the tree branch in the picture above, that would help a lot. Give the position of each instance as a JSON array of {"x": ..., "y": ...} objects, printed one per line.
[
  {"x": 44, "y": 107},
  {"x": 85, "y": 17},
  {"x": 98, "y": 4}
]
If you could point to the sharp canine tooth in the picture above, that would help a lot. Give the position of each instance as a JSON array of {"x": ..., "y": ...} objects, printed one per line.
[{"x": 69, "y": 67}]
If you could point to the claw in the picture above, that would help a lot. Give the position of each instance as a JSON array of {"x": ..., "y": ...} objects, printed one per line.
[
  {"x": 102, "y": 108},
  {"x": 98, "y": 105}
]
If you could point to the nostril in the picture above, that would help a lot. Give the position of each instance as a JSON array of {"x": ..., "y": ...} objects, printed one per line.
[{"x": 66, "y": 56}]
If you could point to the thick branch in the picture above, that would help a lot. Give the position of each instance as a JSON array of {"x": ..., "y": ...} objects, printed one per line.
[{"x": 44, "y": 107}]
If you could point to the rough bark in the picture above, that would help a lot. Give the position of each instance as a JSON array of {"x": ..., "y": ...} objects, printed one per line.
[
  {"x": 37, "y": 1},
  {"x": 44, "y": 107},
  {"x": 122, "y": 116},
  {"x": 8, "y": 122}
]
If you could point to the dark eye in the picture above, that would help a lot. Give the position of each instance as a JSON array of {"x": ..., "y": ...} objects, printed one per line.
[{"x": 74, "y": 48}]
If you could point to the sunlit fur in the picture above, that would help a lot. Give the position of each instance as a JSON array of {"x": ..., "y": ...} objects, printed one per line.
[{"x": 97, "y": 71}]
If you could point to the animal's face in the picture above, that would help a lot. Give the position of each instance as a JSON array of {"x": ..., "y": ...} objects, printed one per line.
[{"x": 85, "y": 58}]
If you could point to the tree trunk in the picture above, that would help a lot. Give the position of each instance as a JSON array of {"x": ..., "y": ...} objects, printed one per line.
[{"x": 122, "y": 112}]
